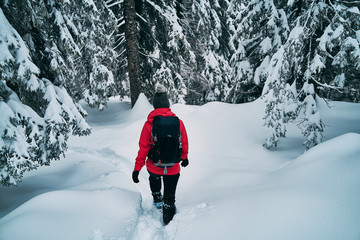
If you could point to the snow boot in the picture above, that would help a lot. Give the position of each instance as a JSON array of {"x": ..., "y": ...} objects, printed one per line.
[
  {"x": 158, "y": 200},
  {"x": 168, "y": 213}
]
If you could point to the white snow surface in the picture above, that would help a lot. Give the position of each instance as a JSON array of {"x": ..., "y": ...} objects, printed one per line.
[{"x": 233, "y": 188}]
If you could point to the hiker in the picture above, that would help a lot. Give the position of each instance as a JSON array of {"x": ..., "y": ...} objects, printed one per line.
[{"x": 169, "y": 173}]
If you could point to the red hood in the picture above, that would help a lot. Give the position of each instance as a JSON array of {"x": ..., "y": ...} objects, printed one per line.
[{"x": 166, "y": 112}]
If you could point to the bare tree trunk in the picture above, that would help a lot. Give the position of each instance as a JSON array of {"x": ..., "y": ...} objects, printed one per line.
[{"x": 132, "y": 49}]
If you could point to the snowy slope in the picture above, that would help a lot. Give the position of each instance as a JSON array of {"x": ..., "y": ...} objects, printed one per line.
[{"x": 233, "y": 188}]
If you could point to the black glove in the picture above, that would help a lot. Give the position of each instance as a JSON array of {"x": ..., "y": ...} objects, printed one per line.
[
  {"x": 135, "y": 176},
  {"x": 184, "y": 162}
]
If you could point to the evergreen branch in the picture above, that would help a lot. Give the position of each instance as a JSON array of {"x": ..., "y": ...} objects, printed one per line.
[
  {"x": 309, "y": 14},
  {"x": 120, "y": 19},
  {"x": 108, "y": 1},
  {"x": 121, "y": 39},
  {"x": 121, "y": 53},
  {"x": 120, "y": 35},
  {"x": 327, "y": 102},
  {"x": 152, "y": 57},
  {"x": 113, "y": 4},
  {"x": 120, "y": 24},
  {"x": 144, "y": 20},
  {"x": 195, "y": 92},
  {"x": 325, "y": 85},
  {"x": 111, "y": 34},
  {"x": 157, "y": 8}
]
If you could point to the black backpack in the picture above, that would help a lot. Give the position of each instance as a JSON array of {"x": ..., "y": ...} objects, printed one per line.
[{"x": 166, "y": 147}]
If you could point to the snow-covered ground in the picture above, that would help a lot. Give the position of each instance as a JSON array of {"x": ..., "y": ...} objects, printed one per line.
[{"x": 233, "y": 187}]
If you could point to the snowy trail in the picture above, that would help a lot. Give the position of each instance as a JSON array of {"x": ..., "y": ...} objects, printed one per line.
[
  {"x": 149, "y": 225},
  {"x": 116, "y": 152}
]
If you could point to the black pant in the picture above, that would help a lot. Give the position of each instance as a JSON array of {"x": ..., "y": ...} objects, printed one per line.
[{"x": 170, "y": 183}]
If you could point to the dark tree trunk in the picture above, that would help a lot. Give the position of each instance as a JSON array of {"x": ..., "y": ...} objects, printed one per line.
[{"x": 132, "y": 49}]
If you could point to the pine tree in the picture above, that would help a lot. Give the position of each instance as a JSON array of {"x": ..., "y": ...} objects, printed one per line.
[
  {"x": 166, "y": 53},
  {"x": 338, "y": 52},
  {"x": 309, "y": 64},
  {"x": 36, "y": 115},
  {"x": 210, "y": 33},
  {"x": 83, "y": 56},
  {"x": 260, "y": 30},
  {"x": 71, "y": 42},
  {"x": 281, "y": 101}
]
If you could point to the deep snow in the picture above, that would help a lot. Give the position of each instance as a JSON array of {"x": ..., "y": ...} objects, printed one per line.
[{"x": 233, "y": 187}]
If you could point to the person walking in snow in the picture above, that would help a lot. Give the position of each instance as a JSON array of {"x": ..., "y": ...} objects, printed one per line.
[{"x": 162, "y": 154}]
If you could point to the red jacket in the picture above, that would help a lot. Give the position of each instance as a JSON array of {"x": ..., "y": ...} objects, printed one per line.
[{"x": 145, "y": 145}]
